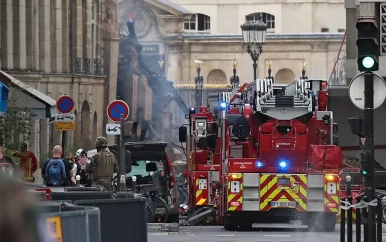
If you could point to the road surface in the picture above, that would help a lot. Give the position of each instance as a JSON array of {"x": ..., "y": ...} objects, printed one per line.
[{"x": 261, "y": 233}]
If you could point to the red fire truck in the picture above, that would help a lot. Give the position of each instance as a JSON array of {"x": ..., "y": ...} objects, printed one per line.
[{"x": 274, "y": 159}]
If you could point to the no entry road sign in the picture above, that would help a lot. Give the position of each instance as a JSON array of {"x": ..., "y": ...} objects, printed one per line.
[
  {"x": 65, "y": 104},
  {"x": 116, "y": 108}
]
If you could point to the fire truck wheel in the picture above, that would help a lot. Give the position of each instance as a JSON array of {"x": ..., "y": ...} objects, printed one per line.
[
  {"x": 384, "y": 214},
  {"x": 228, "y": 226}
]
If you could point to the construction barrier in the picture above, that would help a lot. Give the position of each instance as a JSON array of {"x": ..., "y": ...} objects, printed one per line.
[
  {"x": 362, "y": 220},
  {"x": 80, "y": 195},
  {"x": 122, "y": 219},
  {"x": 354, "y": 216},
  {"x": 66, "y": 222},
  {"x": 38, "y": 195}
]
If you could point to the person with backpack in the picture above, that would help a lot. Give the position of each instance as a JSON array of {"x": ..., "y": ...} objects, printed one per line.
[
  {"x": 102, "y": 165},
  {"x": 54, "y": 170}
]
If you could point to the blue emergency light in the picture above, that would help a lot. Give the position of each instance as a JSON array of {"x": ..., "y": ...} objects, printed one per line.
[
  {"x": 223, "y": 106},
  {"x": 191, "y": 110},
  {"x": 283, "y": 164},
  {"x": 259, "y": 164}
]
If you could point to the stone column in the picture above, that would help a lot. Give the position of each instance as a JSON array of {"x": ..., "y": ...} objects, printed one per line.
[
  {"x": 45, "y": 35},
  {"x": 87, "y": 4},
  {"x": 19, "y": 28},
  {"x": 66, "y": 36},
  {"x": 6, "y": 21},
  {"x": 29, "y": 15},
  {"x": 57, "y": 38},
  {"x": 77, "y": 31}
]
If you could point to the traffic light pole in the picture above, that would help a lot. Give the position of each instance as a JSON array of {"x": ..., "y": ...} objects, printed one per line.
[{"x": 369, "y": 149}]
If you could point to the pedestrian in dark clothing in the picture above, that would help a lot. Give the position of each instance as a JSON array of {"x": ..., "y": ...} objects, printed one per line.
[{"x": 60, "y": 170}]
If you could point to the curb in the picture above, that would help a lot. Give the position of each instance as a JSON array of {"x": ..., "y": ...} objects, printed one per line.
[{"x": 162, "y": 227}]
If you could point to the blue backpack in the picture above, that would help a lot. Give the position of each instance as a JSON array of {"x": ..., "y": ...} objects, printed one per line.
[{"x": 55, "y": 173}]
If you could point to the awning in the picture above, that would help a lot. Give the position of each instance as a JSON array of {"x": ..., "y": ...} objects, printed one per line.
[{"x": 24, "y": 96}]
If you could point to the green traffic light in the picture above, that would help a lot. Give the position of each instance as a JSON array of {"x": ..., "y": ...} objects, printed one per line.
[
  {"x": 364, "y": 172},
  {"x": 368, "y": 62}
]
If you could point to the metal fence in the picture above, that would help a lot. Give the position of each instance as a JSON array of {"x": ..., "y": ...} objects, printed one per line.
[
  {"x": 359, "y": 207},
  {"x": 122, "y": 219}
]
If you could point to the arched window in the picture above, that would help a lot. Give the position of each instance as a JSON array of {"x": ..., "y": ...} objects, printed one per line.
[
  {"x": 267, "y": 18},
  {"x": 284, "y": 76},
  {"x": 198, "y": 23},
  {"x": 216, "y": 77}
]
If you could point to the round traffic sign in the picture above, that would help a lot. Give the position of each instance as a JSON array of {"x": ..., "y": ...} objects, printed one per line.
[
  {"x": 116, "y": 108},
  {"x": 357, "y": 87},
  {"x": 65, "y": 104}
]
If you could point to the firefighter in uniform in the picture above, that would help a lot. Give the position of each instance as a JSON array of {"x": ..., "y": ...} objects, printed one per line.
[{"x": 102, "y": 165}]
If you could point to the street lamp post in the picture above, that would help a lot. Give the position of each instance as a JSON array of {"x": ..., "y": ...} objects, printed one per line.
[{"x": 254, "y": 34}]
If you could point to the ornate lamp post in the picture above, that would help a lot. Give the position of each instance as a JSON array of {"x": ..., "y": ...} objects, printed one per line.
[
  {"x": 199, "y": 81},
  {"x": 254, "y": 34}
]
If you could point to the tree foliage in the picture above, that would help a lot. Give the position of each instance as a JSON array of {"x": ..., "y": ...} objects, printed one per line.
[{"x": 15, "y": 126}]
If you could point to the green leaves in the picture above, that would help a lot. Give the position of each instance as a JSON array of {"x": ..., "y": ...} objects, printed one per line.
[{"x": 15, "y": 127}]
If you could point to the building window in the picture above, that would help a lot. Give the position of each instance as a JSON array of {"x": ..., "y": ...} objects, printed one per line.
[
  {"x": 341, "y": 30},
  {"x": 94, "y": 19},
  {"x": 267, "y": 18},
  {"x": 325, "y": 30},
  {"x": 198, "y": 23}
]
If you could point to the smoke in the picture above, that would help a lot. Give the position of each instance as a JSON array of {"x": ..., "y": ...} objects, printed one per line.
[{"x": 147, "y": 92}]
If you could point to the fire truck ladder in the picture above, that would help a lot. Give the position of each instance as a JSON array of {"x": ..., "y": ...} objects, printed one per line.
[{"x": 282, "y": 101}]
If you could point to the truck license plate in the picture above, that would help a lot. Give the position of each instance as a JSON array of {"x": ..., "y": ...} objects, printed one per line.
[{"x": 283, "y": 204}]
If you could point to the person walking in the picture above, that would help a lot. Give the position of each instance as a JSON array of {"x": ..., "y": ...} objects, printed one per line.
[{"x": 102, "y": 165}]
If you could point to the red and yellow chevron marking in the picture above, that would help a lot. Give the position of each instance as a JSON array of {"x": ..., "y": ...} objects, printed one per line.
[
  {"x": 201, "y": 194},
  {"x": 354, "y": 216},
  {"x": 235, "y": 200},
  {"x": 331, "y": 201},
  {"x": 296, "y": 191}
]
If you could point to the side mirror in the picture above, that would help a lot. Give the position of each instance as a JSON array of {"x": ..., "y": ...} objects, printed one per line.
[
  {"x": 335, "y": 128},
  {"x": 182, "y": 133},
  {"x": 151, "y": 167},
  {"x": 211, "y": 142},
  {"x": 128, "y": 161}
]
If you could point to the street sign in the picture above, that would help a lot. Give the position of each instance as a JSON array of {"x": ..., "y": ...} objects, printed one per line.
[
  {"x": 65, "y": 104},
  {"x": 60, "y": 125},
  {"x": 65, "y": 117},
  {"x": 113, "y": 129},
  {"x": 116, "y": 108},
  {"x": 357, "y": 87}
]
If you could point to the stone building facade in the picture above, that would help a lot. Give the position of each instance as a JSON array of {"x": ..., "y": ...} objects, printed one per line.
[
  {"x": 209, "y": 30},
  {"x": 63, "y": 47}
]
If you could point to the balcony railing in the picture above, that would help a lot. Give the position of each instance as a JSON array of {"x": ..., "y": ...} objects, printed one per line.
[{"x": 86, "y": 67}]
